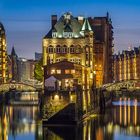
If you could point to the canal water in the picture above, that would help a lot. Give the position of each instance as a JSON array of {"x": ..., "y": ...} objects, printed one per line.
[{"x": 121, "y": 121}]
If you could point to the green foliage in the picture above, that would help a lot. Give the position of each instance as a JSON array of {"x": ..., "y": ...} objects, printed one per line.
[{"x": 38, "y": 72}]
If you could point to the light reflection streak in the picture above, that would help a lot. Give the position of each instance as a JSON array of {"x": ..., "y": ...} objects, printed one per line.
[
  {"x": 89, "y": 130},
  {"x": 135, "y": 109},
  {"x": 120, "y": 111},
  {"x": 129, "y": 117},
  {"x": 125, "y": 119}
]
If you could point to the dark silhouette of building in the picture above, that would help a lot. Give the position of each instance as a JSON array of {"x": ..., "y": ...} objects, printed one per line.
[
  {"x": 14, "y": 60},
  {"x": 38, "y": 56}
]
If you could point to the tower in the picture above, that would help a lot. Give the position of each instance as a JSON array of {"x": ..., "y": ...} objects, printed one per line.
[{"x": 14, "y": 59}]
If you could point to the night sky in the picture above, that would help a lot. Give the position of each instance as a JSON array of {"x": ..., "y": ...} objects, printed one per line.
[{"x": 27, "y": 21}]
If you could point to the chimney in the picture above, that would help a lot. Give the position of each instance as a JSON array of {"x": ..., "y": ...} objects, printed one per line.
[
  {"x": 81, "y": 19},
  {"x": 54, "y": 20}
]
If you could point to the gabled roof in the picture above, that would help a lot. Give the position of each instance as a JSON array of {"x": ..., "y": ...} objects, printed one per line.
[{"x": 66, "y": 23}]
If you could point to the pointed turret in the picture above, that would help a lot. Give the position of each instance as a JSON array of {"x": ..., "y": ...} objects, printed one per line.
[
  {"x": 107, "y": 15},
  {"x": 13, "y": 53},
  {"x": 1, "y": 26},
  {"x": 86, "y": 26}
]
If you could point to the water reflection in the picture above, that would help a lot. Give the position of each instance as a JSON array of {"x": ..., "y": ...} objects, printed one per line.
[
  {"x": 120, "y": 122},
  {"x": 19, "y": 122}
]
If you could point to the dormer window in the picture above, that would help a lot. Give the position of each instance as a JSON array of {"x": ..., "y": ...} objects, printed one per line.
[
  {"x": 70, "y": 35},
  {"x": 54, "y": 35},
  {"x": 67, "y": 34}
]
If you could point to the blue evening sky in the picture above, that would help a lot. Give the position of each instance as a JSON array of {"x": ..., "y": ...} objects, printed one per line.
[{"x": 27, "y": 21}]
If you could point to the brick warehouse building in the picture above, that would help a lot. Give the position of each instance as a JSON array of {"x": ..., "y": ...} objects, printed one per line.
[
  {"x": 126, "y": 65},
  {"x": 67, "y": 40},
  {"x": 79, "y": 45},
  {"x": 103, "y": 47}
]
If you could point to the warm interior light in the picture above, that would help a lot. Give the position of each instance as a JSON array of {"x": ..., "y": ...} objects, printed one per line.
[
  {"x": 53, "y": 71},
  {"x": 94, "y": 72},
  {"x": 56, "y": 97}
]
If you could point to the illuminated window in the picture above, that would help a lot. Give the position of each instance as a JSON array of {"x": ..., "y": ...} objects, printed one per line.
[
  {"x": 59, "y": 83},
  {"x": 67, "y": 34},
  {"x": 56, "y": 97},
  {"x": 54, "y": 34},
  {"x": 58, "y": 49},
  {"x": 64, "y": 49},
  {"x": 87, "y": 49},
  {"x": 72, "y": 49},
  {"x": 50, "y": 49},
  {"x": 72, "y": 71},
  {"x": 58, "y": 60},
  {"x": 78, "y": 61},
  {"x": 70, "y": 35},
  {"x": 58, "y": 71},
  {"x": 72, "y": 60},
  {"x": 67, "y": 71},
  {"x": 53, "y": 71},
  {"x": 51, "y": 61}
]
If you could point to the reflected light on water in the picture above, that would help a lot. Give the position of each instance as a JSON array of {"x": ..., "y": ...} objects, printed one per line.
[
  {"x": 120, "y": 110},
  {"x": 129, "y": 111},
  {"x": 110, "y": 127},
  {"x": 5, "y": 125},
  {"x": 125, "y": 118},
  {"x": 120, "y": 122},
  {"x": 135, "y": 110},
  {"x": 89, "y": 131},
  {"x": 99, "y": 134},
  {"x": 17, "y": 121}
]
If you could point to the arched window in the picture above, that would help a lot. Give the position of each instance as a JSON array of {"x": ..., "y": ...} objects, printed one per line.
[
  {"x": 64, "y": 49},
  {"x": 72, "y": 49},
  {"x": 87, "y": 48},
  {"x": 50, "y": 49},
  {"x": 78, "y": 49},
  {"x": 58, "y": 49}
]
